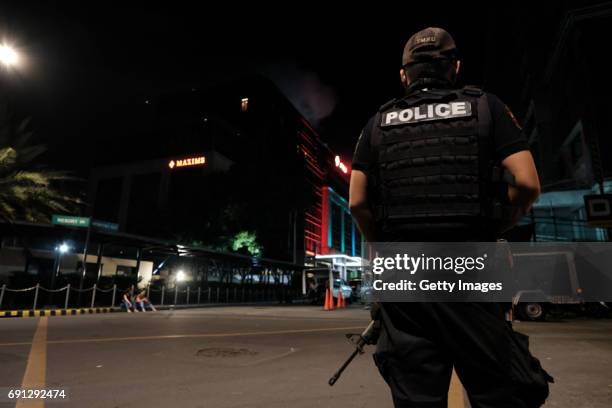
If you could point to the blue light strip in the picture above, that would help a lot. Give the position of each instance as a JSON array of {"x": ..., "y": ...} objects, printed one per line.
[
  {"x": 337, "y": 199},
  {"x": 341, "y": 200},
  {"x": 352, "y": 239},
  {"x": 341, "y": 232}
]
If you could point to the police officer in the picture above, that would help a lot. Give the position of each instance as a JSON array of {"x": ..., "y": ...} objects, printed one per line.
[{"x": 445, "y": 164}]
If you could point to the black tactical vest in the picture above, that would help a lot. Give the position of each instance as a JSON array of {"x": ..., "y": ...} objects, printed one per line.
[{"x": 435, "y": 171}]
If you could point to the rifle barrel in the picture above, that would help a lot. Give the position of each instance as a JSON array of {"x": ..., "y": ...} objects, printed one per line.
[{"x": 335, "y": 377}]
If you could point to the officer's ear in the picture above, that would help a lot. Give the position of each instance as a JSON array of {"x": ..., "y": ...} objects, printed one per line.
[{"x": 403, "y": 77}]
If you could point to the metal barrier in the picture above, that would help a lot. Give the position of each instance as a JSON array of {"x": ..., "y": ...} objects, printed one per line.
[{"x": 247, "y": 294}]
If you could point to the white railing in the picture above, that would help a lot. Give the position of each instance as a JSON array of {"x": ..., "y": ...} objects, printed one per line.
[{"x": 202, "y": 296}]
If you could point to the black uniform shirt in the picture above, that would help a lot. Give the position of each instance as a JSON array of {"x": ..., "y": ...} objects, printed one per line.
[{"x": 507, "y": 136}]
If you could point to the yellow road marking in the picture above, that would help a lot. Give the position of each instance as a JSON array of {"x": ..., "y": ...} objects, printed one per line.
[
  {"x": 188, "y": 336},
  {"x": 455, "y": 393},
  {"x": 36, "y": 369}
]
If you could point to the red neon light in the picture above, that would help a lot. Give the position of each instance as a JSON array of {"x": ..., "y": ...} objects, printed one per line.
[
  {"x": 343, "y": 168},
  {"x": 324, "y": 220}
]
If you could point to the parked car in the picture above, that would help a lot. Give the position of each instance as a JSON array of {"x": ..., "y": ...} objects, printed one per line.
[{"x": 344, "y": 288}]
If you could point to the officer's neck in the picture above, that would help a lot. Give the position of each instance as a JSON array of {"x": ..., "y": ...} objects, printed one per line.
[{"x": 424, "y": 83}]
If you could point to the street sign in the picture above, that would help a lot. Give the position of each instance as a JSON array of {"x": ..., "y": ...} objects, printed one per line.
[
  {"x": 599, "y": 210},
  {"x": 105, "y": 225},
  {"x": 70, "y": 221}
]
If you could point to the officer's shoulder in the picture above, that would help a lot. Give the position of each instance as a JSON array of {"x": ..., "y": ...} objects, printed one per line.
[
  {"x": 371, "y": 120},
  {"x": 367, "y": 129},
  {"x": 492, "y": 100},
  {"x": 473, "y": 90},
  {"x": 387, "y": 105}
]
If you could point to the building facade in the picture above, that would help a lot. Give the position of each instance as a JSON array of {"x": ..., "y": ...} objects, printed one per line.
[
  {"x": 552, "y": 54},
  {"x": 233, "y": 158}
]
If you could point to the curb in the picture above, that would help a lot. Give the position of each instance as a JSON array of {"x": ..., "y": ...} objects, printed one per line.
[
  {"x": 95, "y": 310},
  {"x": 56, "y": 312}
]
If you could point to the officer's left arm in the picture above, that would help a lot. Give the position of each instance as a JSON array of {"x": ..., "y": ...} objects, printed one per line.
[
  {"x": 526, "y": 188},
  {"x": 359, "y": 206},
  {"x": 513, "y": 152}
]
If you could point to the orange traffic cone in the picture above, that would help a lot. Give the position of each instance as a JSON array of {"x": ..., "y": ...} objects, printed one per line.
[
  {"x": 339, "y": 301},
  {"x": 343, "y": 301},
  {"x": 328, "y": 301},
  {"x": 331, "y": 300}
]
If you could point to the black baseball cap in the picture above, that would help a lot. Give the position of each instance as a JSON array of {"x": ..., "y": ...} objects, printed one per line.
[{"x": 428, "y": 44}]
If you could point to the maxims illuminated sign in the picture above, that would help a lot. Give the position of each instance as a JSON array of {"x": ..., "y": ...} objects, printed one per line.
[{"x": 187, "y": 162}]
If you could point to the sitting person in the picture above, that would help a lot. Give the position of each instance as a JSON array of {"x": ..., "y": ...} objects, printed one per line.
[
  {"x": 127, "y": 299},
  {"x": 142, "y": 300},
  {"x": 313, "y": 290}
]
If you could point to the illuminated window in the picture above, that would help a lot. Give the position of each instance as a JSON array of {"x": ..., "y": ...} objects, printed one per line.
[{"x": 244, "y": 105}]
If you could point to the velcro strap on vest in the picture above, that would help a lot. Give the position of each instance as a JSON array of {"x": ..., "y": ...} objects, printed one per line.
[
  {"x": 436, "y": 189},
  {"x": 435, "y": 170},
  {"x": 423, "y": 134},
  {"x": 429, "y": 151},
  {"x": 407, "y": 211}
]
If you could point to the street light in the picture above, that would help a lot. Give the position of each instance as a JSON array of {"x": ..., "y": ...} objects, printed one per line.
[
  {"x": 8, "y": 56},
  {"x": 180, "y": 276},
  {"x": 61, "y": 249}
]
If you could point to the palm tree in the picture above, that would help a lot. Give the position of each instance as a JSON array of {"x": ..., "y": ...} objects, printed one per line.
[{"x": 28, "y": 191}]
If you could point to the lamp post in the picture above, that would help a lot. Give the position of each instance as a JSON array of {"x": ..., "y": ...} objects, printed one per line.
[{"x": 60, "y": 250}]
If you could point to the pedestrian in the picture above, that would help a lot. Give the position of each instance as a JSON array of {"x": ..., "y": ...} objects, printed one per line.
[
  {"x": 313, "y": 289},
  {"x": 436, "y": 165},
  {"x": 143, "y": 300},
  {"x": 127, "y": 300}
]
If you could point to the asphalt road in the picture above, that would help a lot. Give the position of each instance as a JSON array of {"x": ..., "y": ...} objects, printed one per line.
[{"x": 252, "y": 357}]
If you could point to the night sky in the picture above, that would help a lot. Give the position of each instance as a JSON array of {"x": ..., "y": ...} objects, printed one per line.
[{"x": 91, "y": 65}]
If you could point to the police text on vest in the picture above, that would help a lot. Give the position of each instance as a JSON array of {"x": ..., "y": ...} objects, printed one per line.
[{"x": 429, "y": 112}]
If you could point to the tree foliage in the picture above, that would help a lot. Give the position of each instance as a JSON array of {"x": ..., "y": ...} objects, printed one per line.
[{"x": 28, "y": 191}]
